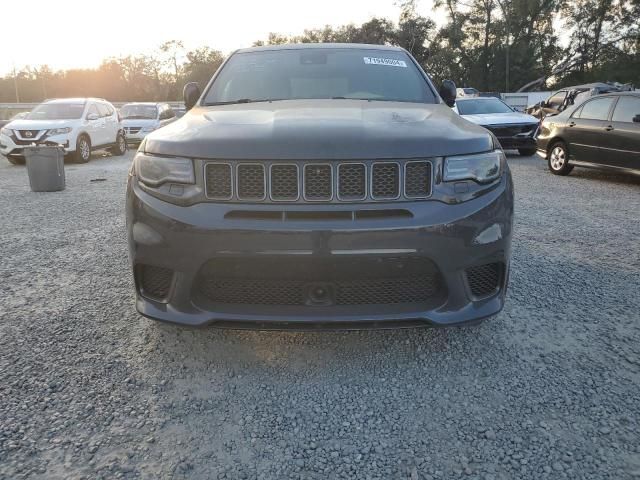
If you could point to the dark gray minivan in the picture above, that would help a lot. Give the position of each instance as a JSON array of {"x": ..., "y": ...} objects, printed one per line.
[{"x": 320, "y": 186}]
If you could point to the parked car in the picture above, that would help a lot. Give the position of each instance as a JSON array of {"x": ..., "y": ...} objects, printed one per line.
[
  {"x": 515, "y": 130},
  {"x": 467, "y": 92},
  {"x": 320, "y": 185},
  {"x": 601, "y": 132},
  {"x": 17, "y": 116},
  {"x": 568, "y": 96},
  {"x": 142, "y": 118},
  {"x": 80, "y": 125}
]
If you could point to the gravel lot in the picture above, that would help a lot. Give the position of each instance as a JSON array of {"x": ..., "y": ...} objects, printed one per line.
[{"x": 548, "y": 389}]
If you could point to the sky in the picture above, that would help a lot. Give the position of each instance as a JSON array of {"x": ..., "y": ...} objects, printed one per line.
[{"x": 81, "y": 33}]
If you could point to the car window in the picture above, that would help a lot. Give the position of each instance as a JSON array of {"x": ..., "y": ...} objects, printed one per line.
[
  {"x": 577, "y": 113},
  {"x": 323, "y": 73},
  {"x": 557, "y": 99},
  {"x": 104, "y": 111},
  {"x": 481, "y": 106},
  {"x": 597, "y": 109},
  {"x": 626, "y": 108},
  {"x": 93, "y": 109},
  {"x": 56, "y": 111}
]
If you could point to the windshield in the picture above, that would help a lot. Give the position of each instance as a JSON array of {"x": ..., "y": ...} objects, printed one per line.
[
  {"x": 363, "y": 74},
  {"x": 487, "y": 105},
  {"x": 139, "y": 111},
  {"x": 56, "y": 111}
]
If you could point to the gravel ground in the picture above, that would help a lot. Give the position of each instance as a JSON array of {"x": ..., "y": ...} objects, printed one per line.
[{"x": 547, "y": 389}]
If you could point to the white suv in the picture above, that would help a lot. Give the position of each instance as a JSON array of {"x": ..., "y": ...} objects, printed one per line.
[
  {"x": 142, "y": 118},
  {"x": 81, "y": 125}
]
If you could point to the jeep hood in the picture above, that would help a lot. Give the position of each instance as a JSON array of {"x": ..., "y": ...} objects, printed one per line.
[{"x": 319, "y": 129}]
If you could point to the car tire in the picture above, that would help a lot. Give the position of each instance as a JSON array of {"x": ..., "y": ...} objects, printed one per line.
[
  {"x": 16, "y": 161},
  {"x": 83, "y": 149},
  {"x": 120, "y": 148},
  {"x": 558, "y": 159},
  {"x": 526, "y": 152}
]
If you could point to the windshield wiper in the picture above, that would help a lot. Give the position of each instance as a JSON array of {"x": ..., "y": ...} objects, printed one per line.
[{"x": 242, "y": 100}]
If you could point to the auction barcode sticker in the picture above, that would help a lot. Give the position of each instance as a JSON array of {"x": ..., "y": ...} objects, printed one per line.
[{"x": 391, "y": 62}]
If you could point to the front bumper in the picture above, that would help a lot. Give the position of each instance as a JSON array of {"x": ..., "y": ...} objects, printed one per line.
[
  {"x": 454, "y": 237},
  {"x": 516, "y": 142},
  {"x": 12, "y": 147}
]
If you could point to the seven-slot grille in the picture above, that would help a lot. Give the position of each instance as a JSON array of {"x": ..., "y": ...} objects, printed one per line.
[{"x": 318, "y": 181}]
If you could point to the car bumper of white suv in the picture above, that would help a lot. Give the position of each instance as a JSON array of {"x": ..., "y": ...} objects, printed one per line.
[{"x": 12, "y": 146}]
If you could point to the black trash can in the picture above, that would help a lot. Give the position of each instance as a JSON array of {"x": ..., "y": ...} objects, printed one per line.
[{"x": 45, "y": 166}]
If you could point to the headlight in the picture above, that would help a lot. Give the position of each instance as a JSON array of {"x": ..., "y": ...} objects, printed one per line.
[
  {"x": 6, "y": 131},
  {"x": 148, "y": 129},
  {"x": 59, "y": 131},
  {"x": 482, "y": 167},
  {"x": 154, "y": 171}
]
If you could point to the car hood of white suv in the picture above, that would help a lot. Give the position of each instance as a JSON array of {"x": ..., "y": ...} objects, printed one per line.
[
  {"x": 40, "y": 124},
  {"x": 500, "y": 118}
]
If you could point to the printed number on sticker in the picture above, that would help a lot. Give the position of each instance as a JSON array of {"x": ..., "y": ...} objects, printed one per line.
[{"x": 391, "y": 62}]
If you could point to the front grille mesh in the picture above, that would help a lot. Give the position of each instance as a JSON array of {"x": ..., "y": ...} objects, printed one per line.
[
  {"x": 284, "y": 182},
  {"x": 238, "y": 181},
  {"x": 484, "y": 279},
  {"x": 317, "y": 182},
  {"x": 219, "y": 180},
  {"x": 352, "y": 181},
  {"x": 281, "y": 281},
  {"x": 386, "y": 180},
  {"x": 418, "y": 179},
  {"x": 251, "y": 181}
]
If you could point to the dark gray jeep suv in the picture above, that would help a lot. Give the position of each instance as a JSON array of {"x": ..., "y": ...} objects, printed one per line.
[{"x": 320, "y": 186}]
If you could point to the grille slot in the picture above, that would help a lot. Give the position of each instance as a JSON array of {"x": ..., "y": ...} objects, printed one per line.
[
  {"x": 417, "y": 179},
  {"x": 155, "y": 281},
  {"x": 284, "y": 182},
  {"x": 219, "y": 181},
  {"x": 352, "y": 181},
  {"x": 318, "y": 182},
  {"x": 484, "y": 279},
  {"x": 385, "y": 180},
  {"x": 251, "y": 181}
]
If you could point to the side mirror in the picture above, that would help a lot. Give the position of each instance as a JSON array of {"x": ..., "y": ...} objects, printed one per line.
[
  {"x": 92, "y": 116},
  {"x": 190, "y": 94},
  {"x": 448, "y": 92},
  {"x": 636, "y": 119}
]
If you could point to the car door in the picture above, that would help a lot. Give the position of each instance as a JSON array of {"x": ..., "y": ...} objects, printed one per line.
[
  {"x": 585, "y": 129},
  {"x": 111, "y": 122},
  {"x": 621, "y": 139},
  {"x": 94, "y": 125}
]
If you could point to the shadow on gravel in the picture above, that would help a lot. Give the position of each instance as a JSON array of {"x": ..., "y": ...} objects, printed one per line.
[{"x": 308, "y": 352}]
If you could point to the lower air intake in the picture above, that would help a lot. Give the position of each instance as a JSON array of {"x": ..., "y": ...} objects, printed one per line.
[
  {"x": 484, "y": 279},
  {"x": 155, "y": 282}
]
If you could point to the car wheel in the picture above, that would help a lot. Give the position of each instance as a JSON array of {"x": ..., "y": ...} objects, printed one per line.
[
  {"x": 16, "y": 160},
  {"x": 559, "y": 159},
  {"x": 120, "y": 148},
  {"x": 526, "y": 152},
  {"x": 83, "y": 149}
]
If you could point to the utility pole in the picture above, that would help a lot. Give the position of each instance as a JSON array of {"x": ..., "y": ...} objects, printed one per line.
[
  {"x": 506, "y": 73},
  {"x": 15, "y": 83}
]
